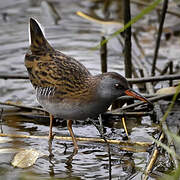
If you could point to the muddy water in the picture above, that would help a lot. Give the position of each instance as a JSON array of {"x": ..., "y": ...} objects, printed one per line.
[{"x": 75, "y": 37}]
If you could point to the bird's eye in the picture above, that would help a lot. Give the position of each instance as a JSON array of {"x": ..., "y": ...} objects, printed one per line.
[{"x": 117, "y": 86}]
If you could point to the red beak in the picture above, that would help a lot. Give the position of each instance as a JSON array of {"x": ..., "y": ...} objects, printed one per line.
[{"x": 136, "y": 95}]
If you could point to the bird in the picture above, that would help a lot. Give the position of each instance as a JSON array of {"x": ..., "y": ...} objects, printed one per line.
[{"x": 65, "y": 88}]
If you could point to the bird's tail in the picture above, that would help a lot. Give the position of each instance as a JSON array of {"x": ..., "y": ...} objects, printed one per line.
[{"x": 38, "y": 42}]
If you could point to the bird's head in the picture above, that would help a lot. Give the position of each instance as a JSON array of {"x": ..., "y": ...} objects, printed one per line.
[{"x": 112, "y": 85}]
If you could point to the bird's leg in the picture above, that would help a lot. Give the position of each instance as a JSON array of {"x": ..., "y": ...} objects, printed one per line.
[
  {"x": 69, "y": 125},
  {"x": 51, "y": 136}
]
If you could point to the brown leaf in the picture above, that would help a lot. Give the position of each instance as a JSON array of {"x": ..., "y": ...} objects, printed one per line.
[{"x": 167, "y": 90}]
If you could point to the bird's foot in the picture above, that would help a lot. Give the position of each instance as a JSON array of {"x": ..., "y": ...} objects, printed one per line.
[
  {"x": 50, "y": 138},
  {"x": 75, "y": 150}
]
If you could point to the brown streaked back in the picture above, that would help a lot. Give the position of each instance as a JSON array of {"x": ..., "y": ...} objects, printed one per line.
[{"x": 51, "y": 69}]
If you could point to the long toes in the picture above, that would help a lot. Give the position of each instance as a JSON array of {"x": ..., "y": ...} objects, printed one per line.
[
  {"x": 75, "y": 151},
  {"x": 51, "y": 137}
]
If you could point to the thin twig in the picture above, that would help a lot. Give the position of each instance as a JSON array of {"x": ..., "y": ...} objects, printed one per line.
[
  {"x": 142, "y": 64},
  {"x": 153, "y": 79},
  {"x": 130, "y": 80},
  {"x": 170, "y": 72},
  {"x": 103, "y": 52},
  {"x": 21, "y": 106},
  {"x": 127, "y": 39},
  {"x": 1, "y": 120},
  {"x": 164, "y": 70},
  {"x": 153, "y": 159},
  {"x": 133, "y": 149},
  {"x": 165, "y": 6},
  {"x": 98, "y": 20},
  {"x": 143, "y": 55},
  {"x": 158, "y": 8}
]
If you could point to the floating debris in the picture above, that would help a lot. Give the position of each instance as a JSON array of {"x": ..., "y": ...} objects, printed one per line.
[{"x": 26, "y": 158}]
